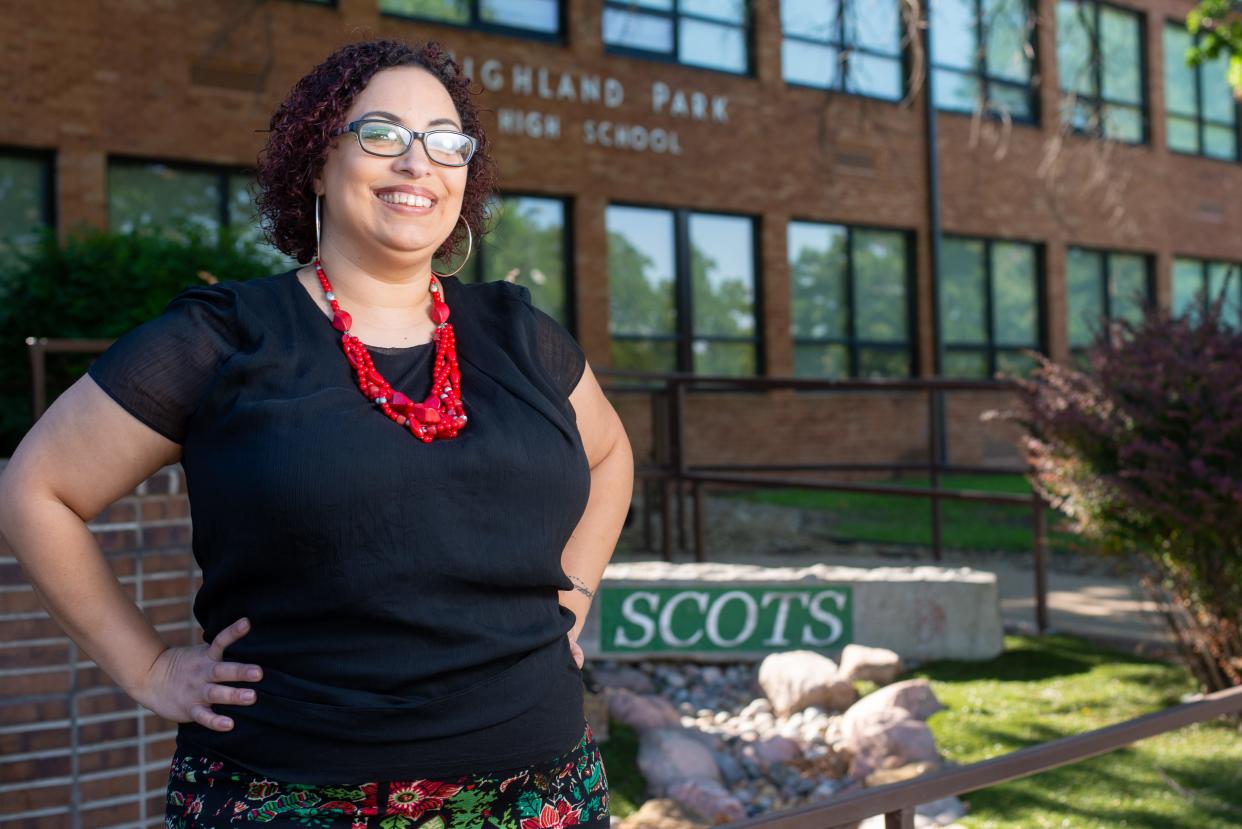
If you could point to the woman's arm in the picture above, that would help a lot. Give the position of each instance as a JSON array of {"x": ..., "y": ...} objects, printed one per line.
[
  {"x": 84, "y": 453},
  {"x": 612, "y": 485}
]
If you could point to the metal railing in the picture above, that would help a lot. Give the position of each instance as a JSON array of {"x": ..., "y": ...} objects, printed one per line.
[
  {"x": 670, "y": 473},
  {"x": 898, "y": 801}
]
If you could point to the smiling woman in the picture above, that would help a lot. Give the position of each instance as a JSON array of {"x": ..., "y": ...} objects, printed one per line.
[{"x": 398, "y": 548}]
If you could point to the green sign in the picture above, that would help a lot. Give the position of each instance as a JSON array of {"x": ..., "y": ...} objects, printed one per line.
[{"x": 765, "y": 617}]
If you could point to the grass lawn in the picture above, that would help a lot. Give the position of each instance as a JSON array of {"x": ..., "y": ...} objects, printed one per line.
[
  {"x": 898, "y": 520},
  {"x": 1042, "y": 689}
]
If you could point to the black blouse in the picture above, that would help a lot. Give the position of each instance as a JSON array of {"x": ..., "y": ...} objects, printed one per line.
[{"x": 402, "y": 595}]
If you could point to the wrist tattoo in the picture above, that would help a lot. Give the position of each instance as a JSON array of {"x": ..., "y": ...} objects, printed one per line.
[{"x": 582, "y": 588}]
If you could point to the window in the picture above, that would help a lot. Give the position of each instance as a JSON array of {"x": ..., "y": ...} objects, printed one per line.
[
  {"x": 25, "y": 197},
  {"x": 983, "y": 54},
  {"x": 527, "y": 245},
  {"x": 682, "y": 291},
  {"x": 846, "y": 45},
  {"x": 712, "y": 34},
  {"x": 1100, "y": 61},
  {"x": 531, "y": 18},
  {"x": 1104, "y": 285},
  {"x": 990, "y": 306},
  {"x": 1202, "y": 114},
  {"x": 157, "y": 193},
  {"x": 851, "y": 301},
  {"x": 1197, "y": 282}
]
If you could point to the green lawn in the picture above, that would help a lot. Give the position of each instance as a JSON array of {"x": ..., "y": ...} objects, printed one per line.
[
  {"x": 904, "y": 520},
  {"x": 1042, "y": 689}
]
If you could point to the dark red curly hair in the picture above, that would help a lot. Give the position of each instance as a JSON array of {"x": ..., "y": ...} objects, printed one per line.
[{"x": 300, "y": 131}]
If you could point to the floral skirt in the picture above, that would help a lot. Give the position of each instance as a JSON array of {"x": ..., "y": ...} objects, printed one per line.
[{"x": 571, "y": 789}]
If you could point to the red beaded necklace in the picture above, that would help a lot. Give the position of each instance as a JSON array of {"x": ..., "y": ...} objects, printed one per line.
[{"x": 441, "y": 415}]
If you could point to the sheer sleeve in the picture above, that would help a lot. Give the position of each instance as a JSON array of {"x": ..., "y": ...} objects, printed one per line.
[
  {"x": 559, "y": 353},
  {"x": 160, "y": 371}
]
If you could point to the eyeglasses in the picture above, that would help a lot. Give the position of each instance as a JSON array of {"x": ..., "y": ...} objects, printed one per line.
[{"x": 384, "y": 138}]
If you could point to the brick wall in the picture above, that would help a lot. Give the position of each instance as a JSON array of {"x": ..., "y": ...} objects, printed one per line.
[{"x": 75, "y": 750}]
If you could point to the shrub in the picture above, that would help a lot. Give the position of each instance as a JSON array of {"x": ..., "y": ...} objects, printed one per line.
[
  {"x": 1142, "y": 450},
  {"x": 98, "y": 284}
]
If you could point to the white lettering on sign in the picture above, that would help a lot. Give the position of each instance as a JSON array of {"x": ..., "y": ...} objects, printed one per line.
[
  {"x": 629, "y": 610},
  {"x": 782, "y": 614},
  {"x": 696, "y": 105},
  {"x": 546, "y": 83},
  {"x": 532, "y": 124},
  {"x": 826, "y": 616},
  {"x": 748, "y": 627},
  {"x": 631, "y": 136},
  {"x": 823, "y": 606},
  {"x": 666, "y": 618}
]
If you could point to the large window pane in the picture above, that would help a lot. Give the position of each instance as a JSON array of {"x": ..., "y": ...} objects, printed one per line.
[
  {"x": 1099, "y": 60},
  {"x": 537, "y": 15},
  {"x": 155, "y": 194},
  {"x": 25, "y": 199},
  {"x": 1225, "y": 278},
  {"x": 880, "y": 286},
  {"x": 449, "y": 11},
  {"x": 1008, "y": 37},
  {"x": 527, "y": 246},
  {"x": 640, "y": 271},
  {"x": 1120, "y": 52},
  {"x": 1084, "y": 276},
  {"x": 1188, "y": 284},
  {"x": 1015, "y": 295},
  {"x": 712, "y": 34},
  {"x": 1127, "y": 286},
  {"x": 818, "y": 272},
  {"x": 981, "y": 56},
  {"x": 723, "y": 275},
  {"x": 962, "y": 299},
  {"x": 713, "y": 45},
  {"x": 978, "y": 274},
  {"x": 1180, "y": 83},
  {"x": 850, "y": 303},
  {"x": 847, "y": 45},
  {"x": 699, "y": 318}
]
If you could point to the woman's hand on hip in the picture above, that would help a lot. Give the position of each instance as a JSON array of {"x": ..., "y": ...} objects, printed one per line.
[
  {"x": 576, "y": 650},
  {"x": 182, "y": 683}
]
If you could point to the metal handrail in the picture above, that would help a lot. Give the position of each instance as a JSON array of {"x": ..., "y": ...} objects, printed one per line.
[{"x": 897, "y": 801}]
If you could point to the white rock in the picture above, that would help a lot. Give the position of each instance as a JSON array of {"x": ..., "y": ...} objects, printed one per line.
[
  {"x": 879, "y": 665},
  {"x": 793, "y": 680},
  {"x": 642, "y": 712},
  {"x": 667, "y": 756}
]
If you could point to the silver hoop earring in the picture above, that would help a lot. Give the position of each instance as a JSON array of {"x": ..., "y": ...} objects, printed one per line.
[
  {"x": 469, "y": 248},
  {"x": 316, "y": 227}
]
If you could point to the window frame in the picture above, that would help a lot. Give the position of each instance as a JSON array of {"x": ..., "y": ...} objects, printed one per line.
[
  {"x": 985, "y": 80},
  {"x": 567, "y": 251},
  {"x": 1149, "y": 285},
  {"x": 673, "y": 58},
  {"x": 903, "y": 58},
  {"x": 852, "y": 342},
  {"x": 1098, "y": 101},
  {"x": 1203, "y": 287},
  {"x": 683, "y": 337},
  {"x": 559, "y": 37},
  {"x": 47, "y": 157},
  {"x": 1199, "y": 119},
  {"x": 990, "y": 348}
]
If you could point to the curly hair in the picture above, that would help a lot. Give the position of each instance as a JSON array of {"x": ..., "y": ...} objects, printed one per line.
[{"x": 301, "y": 128}]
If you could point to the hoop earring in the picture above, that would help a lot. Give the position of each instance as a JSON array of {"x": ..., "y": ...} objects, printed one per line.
[
  {"x": 469, "y": 249},
  {"x": 316, "y": 227}
]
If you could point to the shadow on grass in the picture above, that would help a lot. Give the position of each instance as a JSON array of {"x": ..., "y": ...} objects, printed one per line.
[{"x": 626, "y": 788}]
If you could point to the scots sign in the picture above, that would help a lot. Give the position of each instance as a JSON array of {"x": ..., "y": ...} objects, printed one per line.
[{"x": 739, "y": 617}]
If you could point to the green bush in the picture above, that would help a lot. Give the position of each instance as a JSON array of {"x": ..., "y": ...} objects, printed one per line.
[{"x": 98, "y": 284}]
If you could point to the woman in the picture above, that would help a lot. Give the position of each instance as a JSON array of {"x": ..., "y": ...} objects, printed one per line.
[{"x": 405, "y": 490}]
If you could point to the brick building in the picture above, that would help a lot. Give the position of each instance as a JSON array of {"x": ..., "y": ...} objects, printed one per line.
[{"x": 699, "y": 185}]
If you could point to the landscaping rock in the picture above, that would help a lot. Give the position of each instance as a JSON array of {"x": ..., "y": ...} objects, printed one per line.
[
  {"x": 642, "y": 712},
  {"x": 878, "y": 665},
  {"x": 667, "y": 756},
  {"x": 914, "y": 695},
  {"x": 709, "y": 799},
  {"x": 793, "y": 680},
  {"x": 664, "y": 813},
  {"x": 623, "y": 676}
]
